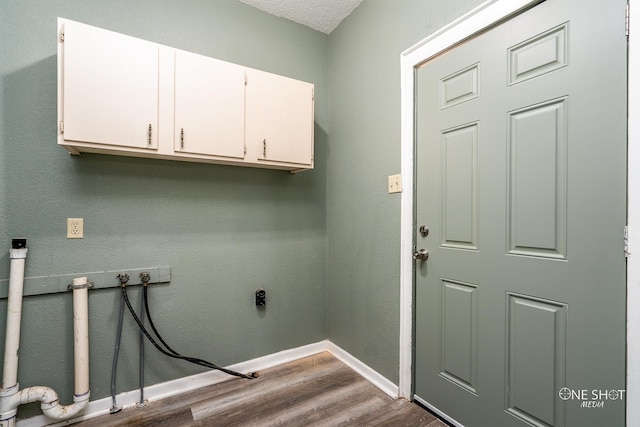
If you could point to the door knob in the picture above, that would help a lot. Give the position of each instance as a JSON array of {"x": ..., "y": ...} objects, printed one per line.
[{"x": 421, "y": 254}]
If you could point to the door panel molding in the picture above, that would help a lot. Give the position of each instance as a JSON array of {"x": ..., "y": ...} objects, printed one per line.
[
  {"x": 536, "y": 330},
  {"x": 459, "y": 87},
  {"x": 539, "y": 55},
  {"x": 537, "y": 180},
  {"x": 459, "y": 333},
  {"x": 459, "y": 187}
]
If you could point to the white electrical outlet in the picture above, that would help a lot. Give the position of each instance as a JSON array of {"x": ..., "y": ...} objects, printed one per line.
[
  {"x": 395, "y": 183},
  {"x": 75, "y": 228}
]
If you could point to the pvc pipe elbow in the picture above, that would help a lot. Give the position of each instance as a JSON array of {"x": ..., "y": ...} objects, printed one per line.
[
  {"x": 61, "y": 412},
  {"x": 50, "y": 403},
  {"x": 9, "y": 401},
  {"x": 12, "y": 397}
]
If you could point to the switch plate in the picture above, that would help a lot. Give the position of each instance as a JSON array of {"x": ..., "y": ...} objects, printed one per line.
[
  {"x": 395, "y": 183},
  {"x": 75, "y": 228}
]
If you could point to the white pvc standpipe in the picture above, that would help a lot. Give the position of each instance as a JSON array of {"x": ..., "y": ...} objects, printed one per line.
[
  {"x": 10, "y": 395},
  {"x": 48, "y": 398},
  {"x": 14, "y": 315},
  {"x": 81, "y": 335}
]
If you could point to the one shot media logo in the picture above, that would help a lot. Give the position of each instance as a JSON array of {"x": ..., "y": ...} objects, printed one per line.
[{"x": 591, "y": 398}]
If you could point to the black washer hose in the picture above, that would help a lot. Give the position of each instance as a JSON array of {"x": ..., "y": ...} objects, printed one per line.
[
  {"x": 172, "y": 353},
  {"x": 153, "y": 326}
]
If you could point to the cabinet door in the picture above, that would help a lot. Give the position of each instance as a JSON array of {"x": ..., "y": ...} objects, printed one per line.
[
  {"x": 285, "y": 119},
  {"x": 110, "y": 88},
  {"x": 209, "y": 106}
]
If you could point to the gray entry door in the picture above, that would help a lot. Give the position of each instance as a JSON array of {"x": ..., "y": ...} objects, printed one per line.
[{"x": 521, "y": 179}]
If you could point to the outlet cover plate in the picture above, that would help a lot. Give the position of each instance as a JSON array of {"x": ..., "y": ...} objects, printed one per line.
[{"x": 75, "y": 228}]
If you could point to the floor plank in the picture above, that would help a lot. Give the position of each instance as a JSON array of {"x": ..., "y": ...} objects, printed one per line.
[{"x": 314, "y": 391}]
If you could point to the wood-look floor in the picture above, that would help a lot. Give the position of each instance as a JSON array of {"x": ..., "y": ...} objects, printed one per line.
[{"x": 315, "y": 391}]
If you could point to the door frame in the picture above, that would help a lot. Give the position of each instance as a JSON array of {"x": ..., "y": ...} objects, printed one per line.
[{"x": 472, "y": 23}]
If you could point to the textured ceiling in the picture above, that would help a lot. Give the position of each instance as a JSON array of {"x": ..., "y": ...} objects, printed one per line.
[{"x": 321, "y": 15}]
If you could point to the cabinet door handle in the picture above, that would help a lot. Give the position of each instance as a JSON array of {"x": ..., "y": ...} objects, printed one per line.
[
  {"x": 149, "y": 134},
  {"x": 181, "y": 137}
]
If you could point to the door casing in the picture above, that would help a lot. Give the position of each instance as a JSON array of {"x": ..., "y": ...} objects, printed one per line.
[{"x": 474, "y": 22}]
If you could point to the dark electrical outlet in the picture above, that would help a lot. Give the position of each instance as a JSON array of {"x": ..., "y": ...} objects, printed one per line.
[
  {"x": 18, "y": 243},
  {"x": 261, "y": 297}
]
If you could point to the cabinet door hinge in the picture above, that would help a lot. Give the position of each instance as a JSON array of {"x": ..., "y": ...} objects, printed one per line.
[
  {"x": 61, "y": 127},
  {"x": 626, "y": 21},
  {"x": 627, "y": 254},
  {"x": 62, "y": 35}
]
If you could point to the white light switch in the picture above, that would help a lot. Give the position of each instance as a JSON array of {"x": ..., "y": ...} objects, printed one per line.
[{"x": 395, "y": 183}]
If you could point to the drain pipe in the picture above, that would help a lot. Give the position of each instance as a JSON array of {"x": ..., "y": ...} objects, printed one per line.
[
  {"x": 18, "y": 255},
  {"x": 10, "y": 395}
]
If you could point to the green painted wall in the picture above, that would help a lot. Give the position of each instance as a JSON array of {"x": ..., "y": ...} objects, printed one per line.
[
  {"x": 364, "y": 148},
  {"x": 223, "y": 230}
]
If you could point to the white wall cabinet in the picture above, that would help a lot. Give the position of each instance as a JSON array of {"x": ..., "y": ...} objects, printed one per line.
[
  {"x": 110, "y": 91},
  {"x": 285, "y": 119},
  {"x": 125, "y": 96},
  {"x": 209, "y": 106}
]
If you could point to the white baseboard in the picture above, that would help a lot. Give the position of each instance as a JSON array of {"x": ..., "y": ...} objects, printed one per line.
[
  {"x": 367, "y": 372},
  {"x": 182, "y": 385}
]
